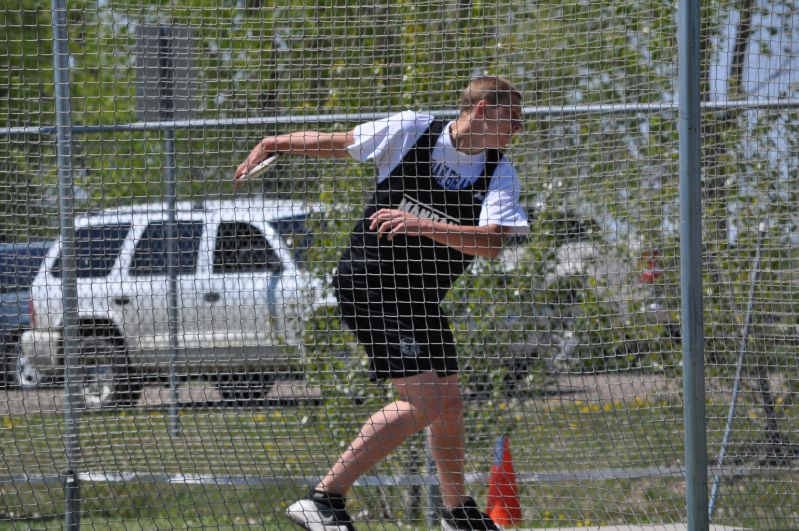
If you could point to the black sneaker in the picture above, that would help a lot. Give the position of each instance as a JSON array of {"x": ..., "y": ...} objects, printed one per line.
[
  {"x": 468, "y": 516},
  {"x": 321, "y": 511}
]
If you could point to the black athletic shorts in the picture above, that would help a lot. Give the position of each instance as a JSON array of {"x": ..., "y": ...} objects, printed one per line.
[{"x": 402, "y": 337}]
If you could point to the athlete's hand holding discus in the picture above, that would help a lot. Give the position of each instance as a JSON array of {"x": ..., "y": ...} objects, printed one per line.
[
  {"x": 304, "y": 143},
  {"x": 257, "y": 162}
]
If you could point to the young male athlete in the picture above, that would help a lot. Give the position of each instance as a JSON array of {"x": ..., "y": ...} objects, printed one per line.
[{"x": 444, "y": 194}]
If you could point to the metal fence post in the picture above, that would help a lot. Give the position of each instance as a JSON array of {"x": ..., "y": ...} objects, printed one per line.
[
  {"x": 166, "y": 111},
  {"x": 691, "y": 264},
  {"x": 66, "y": 204},
  {"x": 172, "y": 291}
]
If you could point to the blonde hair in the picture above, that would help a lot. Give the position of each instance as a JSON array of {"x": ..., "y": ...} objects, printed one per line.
[{"x": 494, "y": 90}]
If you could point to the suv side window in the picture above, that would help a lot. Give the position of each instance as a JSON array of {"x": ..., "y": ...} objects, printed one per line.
[
  {"x": 241, "y": 247},
  {"x": 96, "y": 250},
  {"x": 150, "y": 255}
]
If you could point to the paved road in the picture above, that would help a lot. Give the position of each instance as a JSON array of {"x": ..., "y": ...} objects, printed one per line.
[
  {"x": 594, "y": 388},
  {"x": 194, "y": 394}
]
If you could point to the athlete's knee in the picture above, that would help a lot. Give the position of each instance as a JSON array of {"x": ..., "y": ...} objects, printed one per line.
[
  {"x": 431, "y": 396},
  {"x": 453, "y": 405}
]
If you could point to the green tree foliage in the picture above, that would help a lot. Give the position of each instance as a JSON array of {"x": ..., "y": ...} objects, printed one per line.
[
  {"x": 26, "y": 79},
  {"x": 326, "y": 56},
  {"x": 26, "y": 99}
]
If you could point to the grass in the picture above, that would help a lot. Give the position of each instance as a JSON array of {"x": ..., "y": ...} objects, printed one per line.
[{"x": 547, "y": 436}]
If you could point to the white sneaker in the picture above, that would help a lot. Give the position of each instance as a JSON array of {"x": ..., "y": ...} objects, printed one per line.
[{"x": 320, "y": 511}]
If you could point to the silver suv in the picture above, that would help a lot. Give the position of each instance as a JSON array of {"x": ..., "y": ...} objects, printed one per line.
[{"x": 241, "y": 296}]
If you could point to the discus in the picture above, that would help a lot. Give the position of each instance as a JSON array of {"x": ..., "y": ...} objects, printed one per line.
[{"x": 259, "y": 169}]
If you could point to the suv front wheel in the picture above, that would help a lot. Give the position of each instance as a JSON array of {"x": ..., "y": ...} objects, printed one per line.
[{"x": 106, "y": 379}]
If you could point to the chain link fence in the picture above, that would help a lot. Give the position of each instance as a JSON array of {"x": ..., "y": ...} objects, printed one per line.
[{"x": 173, "y": 354}]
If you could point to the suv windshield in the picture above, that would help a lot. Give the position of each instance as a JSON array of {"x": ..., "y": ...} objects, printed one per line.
[
  {"x": 96, "y": 250},
  {"x": 298, "y": 237},
  {"x": 19, "y": 263}
]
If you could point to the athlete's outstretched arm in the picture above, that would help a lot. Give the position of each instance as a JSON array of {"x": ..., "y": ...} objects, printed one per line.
[
  {"x": 305, "y": 143},
  {"x": 484, "y": 241}
]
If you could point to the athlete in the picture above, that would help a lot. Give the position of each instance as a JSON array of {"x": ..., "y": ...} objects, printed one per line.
[{"x": 445, "y": 194}]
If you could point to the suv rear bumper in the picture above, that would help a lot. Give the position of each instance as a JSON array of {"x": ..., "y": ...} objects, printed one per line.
[{"x": 42, "y": 349}]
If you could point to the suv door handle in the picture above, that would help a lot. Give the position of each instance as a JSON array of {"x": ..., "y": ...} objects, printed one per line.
[
  {"x": 121, "y": 301},
  {"x": 212, "y": 296}
]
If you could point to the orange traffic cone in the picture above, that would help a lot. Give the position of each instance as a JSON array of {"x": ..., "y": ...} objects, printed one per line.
[{"x": 503, "y": 494}]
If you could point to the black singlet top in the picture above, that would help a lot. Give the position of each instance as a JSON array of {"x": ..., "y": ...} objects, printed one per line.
[{"x": 414, "y": 268}]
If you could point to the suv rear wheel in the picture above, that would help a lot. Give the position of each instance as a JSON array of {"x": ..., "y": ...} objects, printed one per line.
[
  {"x": 106, "y": 379},
  {"x": 23, "y": 373}
]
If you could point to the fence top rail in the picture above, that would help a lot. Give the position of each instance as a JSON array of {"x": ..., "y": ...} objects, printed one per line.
[{"x": 543, "y": 110}]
